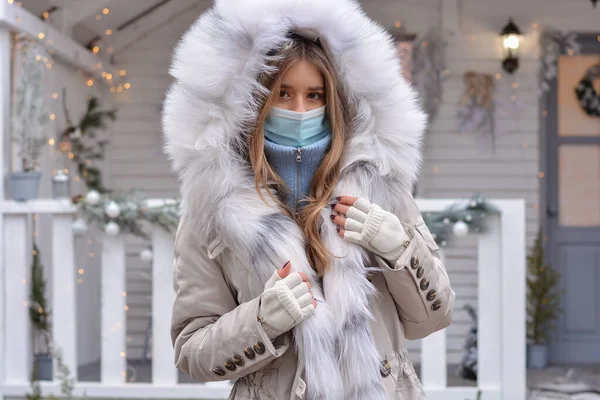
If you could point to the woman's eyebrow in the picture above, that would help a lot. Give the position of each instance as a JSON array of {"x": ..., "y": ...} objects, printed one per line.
[{"x": 286, "y": 86}]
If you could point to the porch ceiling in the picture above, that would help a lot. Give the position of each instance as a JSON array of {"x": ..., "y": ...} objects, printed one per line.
[
  {"x": 130, "y": 19},
  {"x": 84, "y": 20}
]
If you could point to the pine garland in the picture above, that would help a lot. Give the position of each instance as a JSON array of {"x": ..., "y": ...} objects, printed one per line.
[
  {"x": 83, "y": 143},
  {"x": 133, "y": 212},
  {"x": 543, "y": 298},
  {"x": 473, "y": 213}
]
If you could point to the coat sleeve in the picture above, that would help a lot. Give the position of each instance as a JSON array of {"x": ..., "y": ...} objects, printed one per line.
[
  {"x": 418, "y": 281},
  {"x": 214, "y": 338}
]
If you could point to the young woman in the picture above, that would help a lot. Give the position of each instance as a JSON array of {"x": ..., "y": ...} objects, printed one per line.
[{"x": 302, "y": 262}]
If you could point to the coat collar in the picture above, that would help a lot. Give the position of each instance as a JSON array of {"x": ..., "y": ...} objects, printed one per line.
[{"x": 215, "y": 66}]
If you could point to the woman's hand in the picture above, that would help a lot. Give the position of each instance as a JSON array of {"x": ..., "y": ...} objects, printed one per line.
[
  {"x": 286, "y": 301},
  {"x": 368, "y": 225},
  {"x": 283, "y": 273}
]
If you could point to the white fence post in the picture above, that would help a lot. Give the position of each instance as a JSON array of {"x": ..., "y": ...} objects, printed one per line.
[
  {"x": 163, "y": 366},
  {"x": 64, "y": 300},
  {"x": 114, "y": 323},
  {"x": 434, "y": 369},
  {"x": 17, "y": 259},
  {"x": 514, "y": 371},
  {"x": 5, "y": 97},
  {"x": 489, "y": 299},
  {"x": 433, "y": 361},
  {"x": 5, "y": 92}
]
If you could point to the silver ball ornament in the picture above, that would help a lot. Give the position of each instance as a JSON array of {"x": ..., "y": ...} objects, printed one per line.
[
  {"x": 460, "y": 228},
  {"x": 112, "y": 229},
  {"x": 92, "y": 197},
  {"x": 112, "y": 209}
]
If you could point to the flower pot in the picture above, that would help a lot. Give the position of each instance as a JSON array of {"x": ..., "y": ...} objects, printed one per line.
[
  {"x": 43, "y": 366},
  {"x": 537, "y": 356},
  {"x": 24, "y": 185}
]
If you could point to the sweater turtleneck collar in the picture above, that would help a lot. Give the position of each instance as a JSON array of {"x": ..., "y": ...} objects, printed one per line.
[{"x": 297, "y": 165}]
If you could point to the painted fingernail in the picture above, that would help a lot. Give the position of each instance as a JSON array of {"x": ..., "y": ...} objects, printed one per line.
[
  {"x": 338, "y": 198},
  {"x": 286, "y": 263},
  {"x": 333, "y": 205},
  {"x": 332, "y": 217},
  {"x": 337, "y": 229}
]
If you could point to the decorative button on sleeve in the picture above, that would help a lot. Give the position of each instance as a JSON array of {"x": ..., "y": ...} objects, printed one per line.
[
  {"x": 238, "y": 360},
  {"x": 249, "y": 352},
  {"x": 259, "y": 347},
  {"x": 431, "y": 295},
  {"x": 230, "y": 365}
]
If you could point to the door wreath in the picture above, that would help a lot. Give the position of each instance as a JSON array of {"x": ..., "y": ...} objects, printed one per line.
[{"x": 589, "y": 99}]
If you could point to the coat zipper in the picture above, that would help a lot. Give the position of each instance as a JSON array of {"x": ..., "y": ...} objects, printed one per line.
[{"x": 298, "y": 160}]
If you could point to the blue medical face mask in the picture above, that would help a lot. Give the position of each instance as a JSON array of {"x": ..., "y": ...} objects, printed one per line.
[{"x": 292, "y": 128}]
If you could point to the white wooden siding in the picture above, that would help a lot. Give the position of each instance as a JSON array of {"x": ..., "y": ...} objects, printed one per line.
[{"x": 454, "y": 164}]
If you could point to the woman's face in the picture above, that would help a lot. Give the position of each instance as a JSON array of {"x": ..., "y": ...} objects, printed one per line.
[{"x": 302, "y": 88}]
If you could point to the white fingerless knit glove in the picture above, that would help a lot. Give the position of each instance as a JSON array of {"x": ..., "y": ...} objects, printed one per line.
[
  {"x": 284, "y": 304},
  {"x": 375, "y": 229}
]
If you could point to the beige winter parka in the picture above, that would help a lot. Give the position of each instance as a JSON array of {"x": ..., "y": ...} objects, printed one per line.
[{"x": 230, "y": 241}]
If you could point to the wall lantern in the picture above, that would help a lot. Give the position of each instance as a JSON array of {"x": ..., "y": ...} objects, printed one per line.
[{"x": 511, "y": 39}]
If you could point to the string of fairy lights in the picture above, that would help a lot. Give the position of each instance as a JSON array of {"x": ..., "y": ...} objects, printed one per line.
[{"x": 116, "y": 85}]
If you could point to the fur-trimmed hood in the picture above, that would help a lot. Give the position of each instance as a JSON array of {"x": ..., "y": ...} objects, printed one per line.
[{"x": 215, "y": 66}]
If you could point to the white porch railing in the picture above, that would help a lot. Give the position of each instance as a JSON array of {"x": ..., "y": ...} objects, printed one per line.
[{"x": 501, "y": 331}]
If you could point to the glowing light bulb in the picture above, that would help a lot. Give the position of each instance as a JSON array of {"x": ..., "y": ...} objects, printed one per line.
[{"x": 511, "y": 42}]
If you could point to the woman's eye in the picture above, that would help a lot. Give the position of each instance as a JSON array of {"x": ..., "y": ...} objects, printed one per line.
[
  {"x": 315, "y": 96},
  {"x": 283, "y": 93}
]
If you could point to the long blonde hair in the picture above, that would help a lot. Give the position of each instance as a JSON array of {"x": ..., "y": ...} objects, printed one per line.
[{"x": 327, "y": 175}]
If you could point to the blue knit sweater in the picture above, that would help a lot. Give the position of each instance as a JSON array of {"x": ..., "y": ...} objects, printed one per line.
[{"x": 297, "y": 165}]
